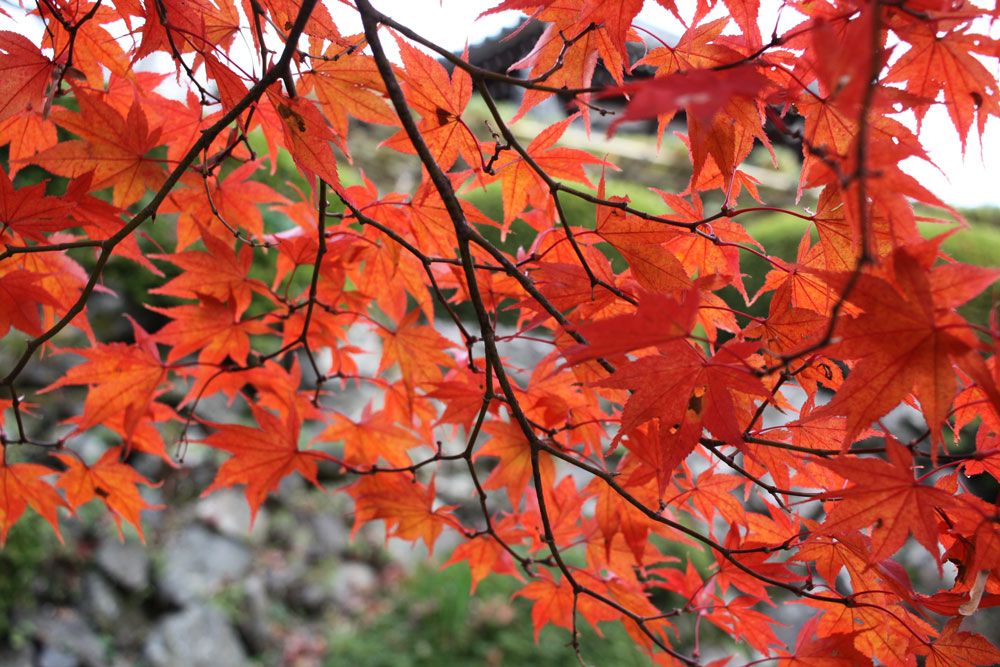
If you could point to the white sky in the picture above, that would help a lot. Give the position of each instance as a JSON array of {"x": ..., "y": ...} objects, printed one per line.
[{"x": 970, "y": 182}]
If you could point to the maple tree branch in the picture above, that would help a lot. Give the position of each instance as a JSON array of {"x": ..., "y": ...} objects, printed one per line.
[
  {"x": 175, "y": 53},
  {"x": 770, "y": 488},
  {"x": 861, "y": 173},
  {"x": 55, "y": 247},
  {"x": 72, "y": 29},
  {"x": 480, "y": 73},
  {"x": 314, "y": 286}
]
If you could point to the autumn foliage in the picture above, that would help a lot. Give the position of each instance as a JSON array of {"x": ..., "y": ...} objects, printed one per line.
[{"x": 639, "y": 436}]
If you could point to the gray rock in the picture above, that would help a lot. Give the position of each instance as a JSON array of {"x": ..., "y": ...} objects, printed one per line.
[
  {"x": 350, "y": 585},
  {"x": 66, "y": 639},
  {"x": 199, "y": 636},
  {"x": 56, "y": 657},
  {"x": 228, "y": 512},
  {"x": 100, "y": 601},
  {"x": 126, "y": 563},
  {"x": 19, "y": 658},
  {"x": 329, "y": 535},
  {"x": 199, "y": 563},
  {"x": 253, "y": 620}
]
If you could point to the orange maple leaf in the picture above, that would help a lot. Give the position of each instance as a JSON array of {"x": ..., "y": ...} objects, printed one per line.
[
  {"x": 485, "y": 556},
  {"x": 954, "y": 648},
  {"x": 349, "y": 84},
  {"x": 906, "y": 340},
  {"x": 440, "y": 102},
  {"x": 113, "y": 147},
  {"x": 308, "y": 137},
  {"x": 419, "y": 351},
  {"x": 657, "y": 319},
  {"x": 521, "y": 183},
  {"x": 21, "y": 485},
  {"x": 407, "y": 507},
  {"x": 371, "y": 438},
  {"x": 513, "y": 472},
  {"x": 124, "y": 379},
  {"x": 24, "y": 74},
  {"x": 220, "y": 273},
  {"x": 885, "y": 494},
  {"x": 210, "y": 328},
  {"x": 553, "y": 602},
  {"x": 262, "y": 457},
  {"x": 110, "y": 480},
  {"x": 941, "y": 61}
]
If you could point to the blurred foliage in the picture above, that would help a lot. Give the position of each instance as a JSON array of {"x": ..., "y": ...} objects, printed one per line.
[
  {"x": 26, "y": 563},
  {"x": 430, "y": 620}
]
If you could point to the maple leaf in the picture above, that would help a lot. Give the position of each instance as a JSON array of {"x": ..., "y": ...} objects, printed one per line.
[
  {"x": 641, "y": 243},
  {"x": 440, "y": 101},
  {"x": 702, "y": 92},
  {"x": 886, "y": 495},
  {"x": 406, "y": 506},
  {"x": 835, "y": 650},
  {"x": 485, "y": 555},
  {"x": 112, "y": 146},
  {"x": 941, "y": 62},
  {"x": 220, "y": 274},
  {"x": 657, "y": 319},
  {"x": 29, "y": 212},
  {"x": 419, "y": 351},
  {"x": 553, "y": 602},
  {"x": 349, "y": 85},
  {"x": 372, "y": 438},
  {"x": 210, "y": 328},
  {"x": 903, "y": 342},
  {"x": 24, "y": 74},
  {"x": 514, "y": 470},
  {"x": 954, "y": 648},
  {"x": 737, "y": 617},
  {"x": 210, "y": 202},
  {"x": 21, "y": 486},
  {"x": 123, "y": 379},
  {"x": 20, "y": 296},
  {"x": 307, "y": 137},
  {"x": 679, "y": 380},
  {"x": 110, "y": 480},
  {"x": 523, "y": 186},
  {"x": 615, "y": 515},
  {"x": 26, "y": 134},
  {"x": 262, "y": 457}
]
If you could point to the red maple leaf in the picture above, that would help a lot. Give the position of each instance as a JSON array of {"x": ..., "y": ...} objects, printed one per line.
[
  {"x": 21, "y": 485},
  {"x": 885, "y": 494},
  {"x": 262, "y": 457},
  {"x": 113, "y": 146},
  {"x": 24, "y": 74},
  {"x": 110, "y": 480},
  {"x": 701, "y": 92},
  {"x": 906, "y": 340}
]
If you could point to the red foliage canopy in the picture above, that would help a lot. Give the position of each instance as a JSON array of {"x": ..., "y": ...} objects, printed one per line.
[{"x": 639, "y": 434}]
